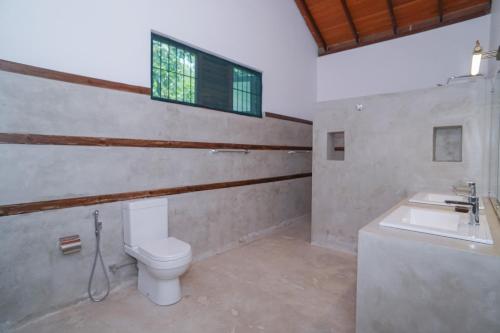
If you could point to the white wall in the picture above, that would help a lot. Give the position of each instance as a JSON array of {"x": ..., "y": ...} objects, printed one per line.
[
  {"x": 110, "y": 40},
  {"x": 413, "y": 62}
]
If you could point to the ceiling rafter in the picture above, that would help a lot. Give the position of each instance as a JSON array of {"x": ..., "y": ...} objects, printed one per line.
[
  {"x": 394, "y": 22},
  {"x": 347, "y": 13},
  {"x": 440, "y": 10},
  {"x": 311, "y": 24}
]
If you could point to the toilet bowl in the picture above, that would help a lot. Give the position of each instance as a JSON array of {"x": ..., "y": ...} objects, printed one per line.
[{"x": 161, "y": 259}]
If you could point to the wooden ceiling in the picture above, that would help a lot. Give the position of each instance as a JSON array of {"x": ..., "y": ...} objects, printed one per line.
[{"x": 339, "y": 25}]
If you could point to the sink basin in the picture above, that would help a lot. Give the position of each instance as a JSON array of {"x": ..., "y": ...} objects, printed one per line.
[
  {"x": 438, "y": 222},
  {"x": 439, "y": 199}
]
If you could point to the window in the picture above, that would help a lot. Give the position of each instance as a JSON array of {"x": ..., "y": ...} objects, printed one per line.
[
  {"x": 182, "y": 74},
  {"x": 173, "y": 73},
  {"x": 246, "y": 95}
]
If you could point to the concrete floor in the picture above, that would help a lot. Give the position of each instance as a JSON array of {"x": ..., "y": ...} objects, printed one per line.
[{"x": 279, "y": 283}]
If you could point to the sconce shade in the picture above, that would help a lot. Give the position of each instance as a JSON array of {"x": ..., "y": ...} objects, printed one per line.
[{"x": 476, "y": 59}]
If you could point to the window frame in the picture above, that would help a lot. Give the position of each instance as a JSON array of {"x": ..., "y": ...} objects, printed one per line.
[{"x": 195, "y": 51}]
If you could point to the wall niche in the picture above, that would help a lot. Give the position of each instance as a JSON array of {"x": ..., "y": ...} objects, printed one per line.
[
  {"x": 335, "y": 146},
  {"x": 447, "y": 144}
]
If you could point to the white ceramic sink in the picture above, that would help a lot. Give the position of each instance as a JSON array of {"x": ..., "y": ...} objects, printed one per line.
[
  {"x": 439, "y": 222},
  {"x": 439, "y": 199}
]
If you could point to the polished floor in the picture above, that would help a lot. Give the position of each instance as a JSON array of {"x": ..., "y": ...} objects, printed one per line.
[{"x": 279, "y": 283}]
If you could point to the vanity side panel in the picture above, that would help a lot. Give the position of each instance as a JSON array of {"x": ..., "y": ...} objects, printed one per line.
[{"x": 406, "y": 286}]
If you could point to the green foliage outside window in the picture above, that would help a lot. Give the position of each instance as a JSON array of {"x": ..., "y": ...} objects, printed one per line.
[{"x": 173, "y": 73}]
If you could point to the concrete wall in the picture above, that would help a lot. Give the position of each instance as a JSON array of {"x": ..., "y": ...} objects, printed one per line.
[
  {"x": 389, "y": 154},
  {"x": 35, "y": 277},
  {"x": 111, "y": 40},
  {"x": 413, "y": 62}
]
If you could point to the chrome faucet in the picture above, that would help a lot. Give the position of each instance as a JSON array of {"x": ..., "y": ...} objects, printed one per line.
[
  {"x": 474, "y": 212},
  {"x": 472, "y": 201}
]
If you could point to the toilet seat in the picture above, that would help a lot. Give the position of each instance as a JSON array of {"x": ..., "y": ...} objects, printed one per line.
[
  {"x": 167, "y": 249},
  {"x": 171, "y": 253}
]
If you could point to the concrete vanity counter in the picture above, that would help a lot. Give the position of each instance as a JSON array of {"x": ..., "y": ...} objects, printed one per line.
[{"x": 415, "y": 282}]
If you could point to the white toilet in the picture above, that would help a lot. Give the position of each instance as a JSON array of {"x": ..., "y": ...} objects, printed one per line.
[{"x": 161, "y": 259}]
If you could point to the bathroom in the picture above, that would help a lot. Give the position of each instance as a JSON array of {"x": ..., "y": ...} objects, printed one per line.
[{"x": 249, "y": 166}]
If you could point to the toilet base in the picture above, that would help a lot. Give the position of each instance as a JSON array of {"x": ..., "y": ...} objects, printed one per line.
[{"x": 159, "y": 291}]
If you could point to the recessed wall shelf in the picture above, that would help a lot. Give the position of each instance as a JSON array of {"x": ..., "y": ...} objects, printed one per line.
[
  {"x": 447, "y": 144},
  {"x": 335, "y": 146}
]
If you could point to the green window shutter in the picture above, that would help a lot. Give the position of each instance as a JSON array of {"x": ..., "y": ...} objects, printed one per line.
[{"x": 215, "y": 82}]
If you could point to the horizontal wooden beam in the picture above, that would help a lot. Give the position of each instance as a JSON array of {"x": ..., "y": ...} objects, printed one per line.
[
  {"x": 333, "y": 49},
  {"x": 31, "y": 207},
  {"x": 14, "y": 67},
  {"x": 63, "y": 140},
  {"x": 282, "y": 117}
]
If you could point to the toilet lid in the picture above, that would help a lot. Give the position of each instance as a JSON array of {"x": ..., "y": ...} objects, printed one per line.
[{"x": 165, "y": 249}]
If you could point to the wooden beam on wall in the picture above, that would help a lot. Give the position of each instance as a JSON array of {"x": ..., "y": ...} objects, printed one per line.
[
  {"x": 311, "y": 24},
  {"x": 14, "y": 67},
  {"x": 348, "y": 15},
  {"x": 394, "y": 22},
  {"x": 63, "y": 140},
  {"x": 282, "y": 117},
  {"x": 39, "y": 206}
]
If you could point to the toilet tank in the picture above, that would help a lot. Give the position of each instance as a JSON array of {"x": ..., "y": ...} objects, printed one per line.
[{"x": 145, "y": 220}]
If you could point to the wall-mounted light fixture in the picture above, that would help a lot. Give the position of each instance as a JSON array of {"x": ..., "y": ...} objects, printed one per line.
[{"x": 478, "y": 54}]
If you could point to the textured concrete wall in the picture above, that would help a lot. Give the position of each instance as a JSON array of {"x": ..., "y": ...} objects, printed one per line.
[
  {"x": 35, "y": 277},
  {"x": 389, "y": 154},
  {"x": 34, "y": 105}
]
